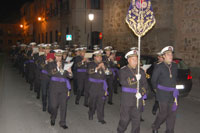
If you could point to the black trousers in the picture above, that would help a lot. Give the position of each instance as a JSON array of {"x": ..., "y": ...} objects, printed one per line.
[
  {"x": 45, "y": 92},
  {"x": 97, "y": 103},
  {"x": 165, "y": 115},
  {"x": 75, "y": 84},
  {"x": 155, "y": 106},
  {"x": 129, "y": 114},
  {"x": 110, "y": 80},
  {"x": 115, "y": 84},
  {"x": 37, "y": 82},
  {"x": 82, "y": 82},
  {"x": 58, "y": 100}
]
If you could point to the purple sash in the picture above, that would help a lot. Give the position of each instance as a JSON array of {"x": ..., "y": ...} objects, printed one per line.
[
  {"x": 175, "y": 94},
  {"x": 144, "y": 97},
  {"x": 28, "y": 61},
  {"x": 44, "y": 72},
  {"x": 31, "y": 61},
  {"x": 132, "y": 90},
  {"x": 129, "y": 90},
  {"x": 82, "y": 70},
  {"x": 114, "y": 70},
  {"x": 105, "y": 86},
  {"x": 57, "y": 79}
]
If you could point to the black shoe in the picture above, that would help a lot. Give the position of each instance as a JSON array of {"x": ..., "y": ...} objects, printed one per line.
[
  {"x": 64, "y": 126},
  {"x": 86, "y": 105},
  {"x": 49, "y": 111},
  {"x": 155, "y": 131},
  {"x": 52, "y": 123},
  {"x": 153, "y": 112},
  {"x": 77, "y": 102},
  {"x": 116, "y": 92},
  {"x": 142, "y": 120},
  {"x": 102, "y": 122},
  {"x": 38, "y": 97},
  {"x": 90, "y": 117},
  {"x": 111, "y": 103},
  {"x": 44, "y": 109}
]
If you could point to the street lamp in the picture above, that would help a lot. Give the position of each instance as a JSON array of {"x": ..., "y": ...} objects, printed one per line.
[
  {"x": 41, "y": 19},
  {"x": 21, "y": 26},
  {"x": 91, "y": 18}
]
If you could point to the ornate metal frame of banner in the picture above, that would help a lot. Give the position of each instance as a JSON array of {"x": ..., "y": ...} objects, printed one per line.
[{"x": 140, "y": 18}]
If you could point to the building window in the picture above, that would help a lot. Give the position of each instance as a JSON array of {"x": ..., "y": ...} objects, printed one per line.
[
  {"x": 42, "y": 37},
  {"x": 56, "y": 10},
  {"x": 67, "y": 5},
  {"x": 67, "y": 30},
  {"x": 1, "y": 42},
  {"x": 46, "y": 37},
  {"x": 95, "y": 4},
  {"x": 51, "y": 9},
  {"x": 56, "y": 36},
  {"x": 51, "y": 39},
  {"x": 1, "y": 32},
  {"x": 9, "y": 41},
  {"x": 38, "y": 38}
]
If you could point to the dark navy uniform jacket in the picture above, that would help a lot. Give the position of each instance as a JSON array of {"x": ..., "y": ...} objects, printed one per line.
[
  {"x": 128, "y": 79},
  {"x": 161, "y": 76}
]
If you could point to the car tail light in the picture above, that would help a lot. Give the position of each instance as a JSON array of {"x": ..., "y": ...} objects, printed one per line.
[
  {"x": 189, "y": 76},
  {"x": 176, "y": 61},
  {"x": 118, "y": 58}
]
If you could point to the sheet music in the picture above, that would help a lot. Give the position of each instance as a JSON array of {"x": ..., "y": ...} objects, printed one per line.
[
  {"x": 68, "y": 65},
  {"x": 88, "y": 55},
  {"x": 68, "y": 59},
  {"x": 146, "y": 67},
  {"x": 41, "y": 53}
]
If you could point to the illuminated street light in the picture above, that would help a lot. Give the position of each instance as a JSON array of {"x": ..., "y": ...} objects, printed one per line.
[
  {"x": 91, "y": 16},
  {"x": 39, "y": 19},
  {"x": 21, "y": 26}
]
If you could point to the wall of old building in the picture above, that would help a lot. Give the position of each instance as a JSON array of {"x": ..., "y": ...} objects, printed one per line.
[
  {"x": 10, "y": 34},
  {"x": 177, "y": 25},
  {"x": 187, "y": 35},
  {"x": 117, "y": 33}
]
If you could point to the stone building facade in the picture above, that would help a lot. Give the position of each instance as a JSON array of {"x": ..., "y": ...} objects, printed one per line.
[
  {"x": 62, "y": 17},
  {"x": 10, "y": 34},
  {"x": 177, "y": 25},
  {"x": 187, "y": 34}
]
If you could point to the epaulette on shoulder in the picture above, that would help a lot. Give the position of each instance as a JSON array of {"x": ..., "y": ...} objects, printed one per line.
[
  {"x": 159, "y": 63},
  {"x": 123, "y": 67}
]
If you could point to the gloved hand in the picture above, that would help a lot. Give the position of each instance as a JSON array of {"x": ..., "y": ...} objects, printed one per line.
[
  {"x": 68, "y": 95},
  {"x": 138, "y": 77},
  {"x": 138, "y": 95}
]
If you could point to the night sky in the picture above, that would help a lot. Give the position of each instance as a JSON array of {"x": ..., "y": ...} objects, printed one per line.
[{"x": 10, "y": 10}]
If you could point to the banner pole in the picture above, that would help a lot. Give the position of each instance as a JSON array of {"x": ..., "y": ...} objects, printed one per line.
[{"x": 138, "y": 84}]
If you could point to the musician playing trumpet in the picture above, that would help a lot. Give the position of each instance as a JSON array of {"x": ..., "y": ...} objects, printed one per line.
[{"x": 97, "y": 71}]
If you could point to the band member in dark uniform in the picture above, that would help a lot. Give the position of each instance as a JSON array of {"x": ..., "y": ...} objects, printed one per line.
[
  {"x": 74, "y": 70},
  {"x": 156, "y": 104},
  {"x": 164, "y": 81},
  {"x": 37, "y": 80},
  {"x": 115, "y": 71},
  {"x": 31, "y": 66},
  {"x": 131, "y": 99},
  {"x": 43, "y": 62},
  {"x": 110, "y": 78},
  {"x": 59, "y": 88},
  {"x": 98, "y": 87},
  {"x": 82, "y": 76}
]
